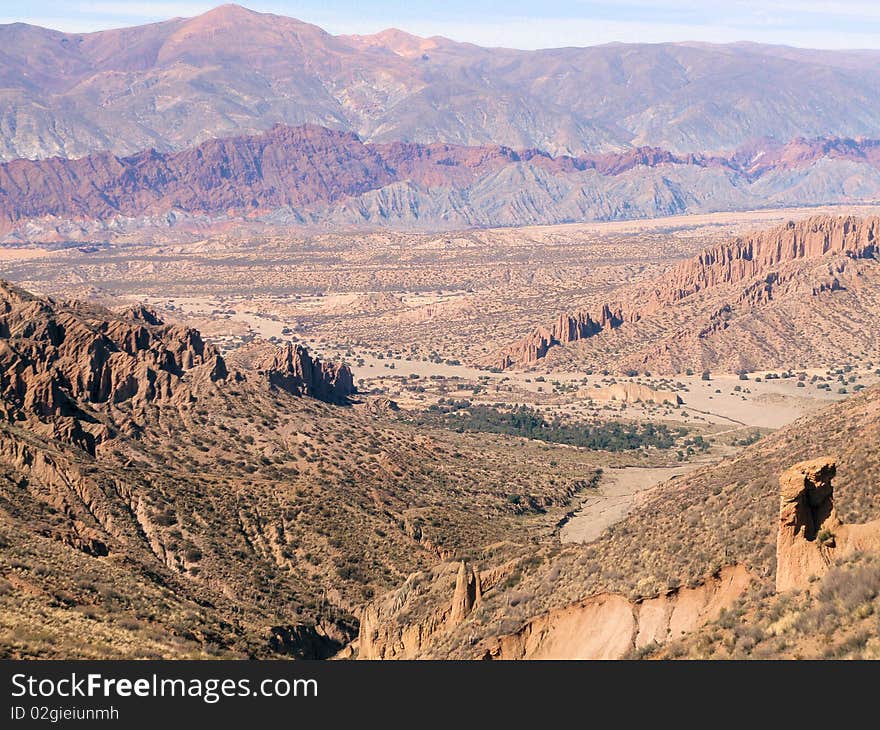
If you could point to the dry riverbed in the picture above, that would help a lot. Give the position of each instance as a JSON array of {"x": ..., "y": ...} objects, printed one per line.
[{"x": 618, "y": 491}]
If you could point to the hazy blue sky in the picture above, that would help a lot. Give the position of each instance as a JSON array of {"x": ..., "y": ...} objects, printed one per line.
[{"x": 515, "y": 23}]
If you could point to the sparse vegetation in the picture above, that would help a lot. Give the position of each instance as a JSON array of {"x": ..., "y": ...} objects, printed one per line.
[{"x": 528, "y": 423}]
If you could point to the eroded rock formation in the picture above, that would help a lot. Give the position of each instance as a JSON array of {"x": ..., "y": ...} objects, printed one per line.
[
  {"x": 605, "y": 626},
  {"x": 55, "y": 358},
  {"x": 468, "y": 593},
  {"x": 568, "y": 328},
  {"x": 806, "y": 518},
  {"x": 293, "y": 369},
  {"x": 810, "y": 534},
  {"x": 58, "y": 360},
  {"x": 384, "y": 636},
  {"x": 752, "y": 262}
]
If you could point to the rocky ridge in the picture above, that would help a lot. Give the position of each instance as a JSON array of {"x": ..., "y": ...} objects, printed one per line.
[
  {"x": 381, "y": 636},
  {"x": 809, "y": 259},
  {"x": 606, "y": 626},
  {"x": 294, "y": 370},
  {"x": 314, "y": 176},
  {"x": 59, "y": 357}
]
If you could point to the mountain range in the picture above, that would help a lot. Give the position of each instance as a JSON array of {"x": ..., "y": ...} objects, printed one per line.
[
  {"x": 315, "y": 176},
  {"x": 165, "y": 494},
  {"x": 174, "y": 84}
]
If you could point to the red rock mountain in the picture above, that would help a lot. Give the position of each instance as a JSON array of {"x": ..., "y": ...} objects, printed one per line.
[
  {"x": 285, "y": 166},
  {"x": 57, "y": 359},
  {"x": 684, "y": 318},
  {"x": 317, "y": 174}
]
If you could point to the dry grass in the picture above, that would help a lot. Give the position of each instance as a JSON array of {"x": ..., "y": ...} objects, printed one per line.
[
  {"x": 838, "y": 617},
  {"x": 249, "y": 509}
]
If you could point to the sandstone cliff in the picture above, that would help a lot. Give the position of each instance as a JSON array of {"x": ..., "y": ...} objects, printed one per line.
[
  {"x": 402, "y": 625},
  {"x": 700, "y": 298},
  {"x": 811, "y": 535},
  {"x": 293, "y": 369},
  {"x": 610, "y": 626},
  {"x": 605, "y": 626}
]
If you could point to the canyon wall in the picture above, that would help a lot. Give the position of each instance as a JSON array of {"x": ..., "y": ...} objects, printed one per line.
[
  {"x": 57, "y": 359},
  {"x": 610, "y": 626}
]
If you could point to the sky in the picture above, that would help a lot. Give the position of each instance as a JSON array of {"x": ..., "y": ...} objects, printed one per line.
[{"x": 514, "y": 23}]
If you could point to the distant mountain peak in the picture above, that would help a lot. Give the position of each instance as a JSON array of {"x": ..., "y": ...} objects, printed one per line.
[
  {"x": 233, "y": 70},
  {"x": 231, "y": 13},
  {"x": 399, "y": 42}
]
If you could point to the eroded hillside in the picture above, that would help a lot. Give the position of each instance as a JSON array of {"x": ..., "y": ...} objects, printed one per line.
[
  {"x": 699, "y": 546},
  {"x": 805, "y": 293},
  {"x": 159, "y": 501}
]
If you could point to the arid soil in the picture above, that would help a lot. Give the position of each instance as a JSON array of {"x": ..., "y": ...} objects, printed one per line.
[
  {"x": 572, "y": 496},
  {"x": 618, "y": 490},
  {"x": 384, "y": 347}
]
